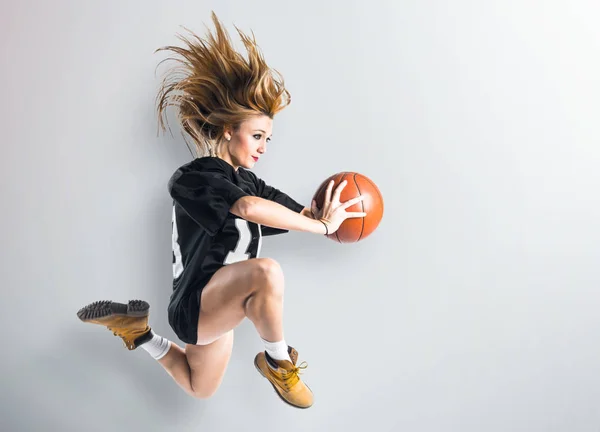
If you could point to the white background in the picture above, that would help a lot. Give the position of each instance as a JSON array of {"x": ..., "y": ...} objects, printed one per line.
[{"x": 473, "y": 307}]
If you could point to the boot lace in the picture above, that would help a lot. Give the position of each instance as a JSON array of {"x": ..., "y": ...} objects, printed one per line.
[
  {"x": 115, "y": 331},
  {"x": 291, "y": 377}
]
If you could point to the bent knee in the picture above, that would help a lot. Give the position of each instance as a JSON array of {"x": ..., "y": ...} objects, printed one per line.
[
  {"x": 203, "y": 394},
  {"x": 268, "y": 269},
  {"x": 268, "y": 276}
]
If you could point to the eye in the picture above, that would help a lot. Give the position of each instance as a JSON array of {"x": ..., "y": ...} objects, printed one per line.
[{"x": 259, "y": 136}]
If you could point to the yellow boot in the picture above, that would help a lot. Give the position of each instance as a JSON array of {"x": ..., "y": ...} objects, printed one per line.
[
  {"x": 293, "y": 354},
  {"x": 284, "y": 377},
  {"x": 128, "y": 321}
]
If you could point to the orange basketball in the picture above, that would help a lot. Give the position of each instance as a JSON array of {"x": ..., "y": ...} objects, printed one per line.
[{"x": 354, "y": 229}]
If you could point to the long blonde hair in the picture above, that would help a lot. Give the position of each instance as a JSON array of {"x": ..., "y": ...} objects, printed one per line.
[{"x": 215, "y": 87}]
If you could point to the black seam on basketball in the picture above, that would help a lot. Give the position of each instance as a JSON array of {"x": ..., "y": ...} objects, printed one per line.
[{"x": 362, "y": 205}]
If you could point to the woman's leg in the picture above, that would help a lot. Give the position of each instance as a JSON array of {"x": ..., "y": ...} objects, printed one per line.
[
  {"x": 252, "y": 289},
  {"x": 199, "y": 369}
]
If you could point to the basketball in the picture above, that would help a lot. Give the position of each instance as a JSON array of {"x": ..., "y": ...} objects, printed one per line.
[{"x": 353, "y": 230}]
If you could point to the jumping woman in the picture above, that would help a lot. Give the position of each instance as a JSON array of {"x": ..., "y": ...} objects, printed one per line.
[{"x": 221, "y": 211}]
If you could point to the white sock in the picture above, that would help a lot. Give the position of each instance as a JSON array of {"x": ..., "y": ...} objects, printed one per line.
[
  {"x": 277, "y": 350},
  {"x": 157, "y": 347}
]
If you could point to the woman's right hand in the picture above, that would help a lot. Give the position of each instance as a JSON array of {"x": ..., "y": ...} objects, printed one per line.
[{"x": 333, "y": 212}]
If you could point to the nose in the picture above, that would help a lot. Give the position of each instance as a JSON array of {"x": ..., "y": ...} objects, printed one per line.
[{"x": 262, "y": 148}]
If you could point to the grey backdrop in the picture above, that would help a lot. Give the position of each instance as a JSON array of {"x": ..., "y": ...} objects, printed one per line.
[{"x": 473, "y": 307}]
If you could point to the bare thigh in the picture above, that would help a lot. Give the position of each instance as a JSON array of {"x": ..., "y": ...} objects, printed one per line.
[
  {"x": 223, "y": 299},
  {"x": 208, "y": 364}
]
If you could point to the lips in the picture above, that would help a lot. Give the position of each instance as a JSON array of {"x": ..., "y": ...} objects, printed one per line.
[{"x": 255, "y": 158}]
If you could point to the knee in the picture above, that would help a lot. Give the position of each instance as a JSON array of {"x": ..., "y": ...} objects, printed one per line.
[
  {"x": 203, "y": 392},
  {"x": 269, "y": 276}
]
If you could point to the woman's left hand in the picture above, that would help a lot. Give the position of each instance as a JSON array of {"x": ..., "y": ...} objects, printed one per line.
[{"x": 316, "y": 212}]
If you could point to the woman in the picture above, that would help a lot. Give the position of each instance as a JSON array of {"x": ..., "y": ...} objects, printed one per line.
[{"x": 221, "y": 210}]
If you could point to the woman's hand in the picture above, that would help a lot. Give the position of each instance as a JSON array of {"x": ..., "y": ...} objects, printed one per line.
[{"x": 333, "y": 212}]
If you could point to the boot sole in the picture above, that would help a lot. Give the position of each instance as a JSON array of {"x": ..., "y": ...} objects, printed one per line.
[
  {"x": 105, "y": 308},
  {"x": 275, "y": 388}
]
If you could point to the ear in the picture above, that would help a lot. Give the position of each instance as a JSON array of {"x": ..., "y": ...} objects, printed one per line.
[{"x": 227, "y": 132}]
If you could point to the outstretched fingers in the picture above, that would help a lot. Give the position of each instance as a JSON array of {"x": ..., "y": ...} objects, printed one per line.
[
  {"x": 355, "y": 214},
  {"x": 352, "y": 201},
  {"x": 314, "y": 208},
  {"x": 327, "y": 199},
  {"x": 338, "y": 191}
]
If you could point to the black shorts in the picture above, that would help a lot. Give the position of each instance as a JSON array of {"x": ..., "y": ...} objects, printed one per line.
[{"x": 183, "y": 312}]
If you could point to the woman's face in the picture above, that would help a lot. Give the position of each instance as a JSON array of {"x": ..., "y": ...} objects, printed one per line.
[{"x": 248, "y": 143}]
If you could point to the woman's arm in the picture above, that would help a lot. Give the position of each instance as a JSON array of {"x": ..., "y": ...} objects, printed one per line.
[{"x": 270, "y": 213}]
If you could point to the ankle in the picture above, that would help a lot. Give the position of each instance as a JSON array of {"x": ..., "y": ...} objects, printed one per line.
[
  {"x": 157, "y": 346},
  {"x": 277, "y": 350}
]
